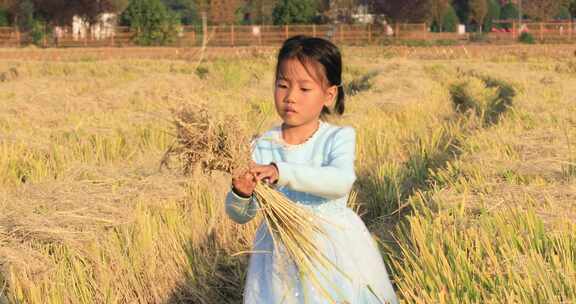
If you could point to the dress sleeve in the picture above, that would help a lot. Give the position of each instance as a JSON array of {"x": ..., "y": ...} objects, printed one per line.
[
  {"x": 334, "y": 179},
  {"x": 242, "y": 209}
]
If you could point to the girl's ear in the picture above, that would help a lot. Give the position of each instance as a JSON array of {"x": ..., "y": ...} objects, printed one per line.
[{"x": 331, "y": 93}]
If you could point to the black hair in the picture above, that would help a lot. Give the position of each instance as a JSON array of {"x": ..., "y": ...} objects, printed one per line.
[{"x": 316, "y": 50}]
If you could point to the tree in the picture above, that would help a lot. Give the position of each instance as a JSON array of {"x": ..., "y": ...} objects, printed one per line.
[
  {"x": 186, "y": 10},
  {"x": 572, "y": 8},
  {"x": 244, "y": 14},
  {"x": 152, "y": 21},
  {"x": 437, "y": 9},
  {"x": 509, "y": 12},
  {"x": 450, "y": 20},
  {"x": 404, "y": 10},
  {"x": 114, "y": 6},
  {"x": 21, "y": 11},
  {"x": 61, "y": 12},
  {"x": 462, "y": 8},
  {"x": 202, "y": 5},
  {"x": 25, "y": 15},
  {"x": 257, "y": 11},
  {"x": 563, "y": 13},
  {"x": 494, "y": 12},
  {"x": 4, "y": 17},
  {"x": 541, "y": 10},
  {"x": 478, "y": 12},
  {"x": 9, "y": 6},
  {"x": 293, "y": 11}
]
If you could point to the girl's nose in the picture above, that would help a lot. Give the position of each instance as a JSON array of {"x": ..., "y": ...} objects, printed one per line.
[{"x": 290, "y": 98}]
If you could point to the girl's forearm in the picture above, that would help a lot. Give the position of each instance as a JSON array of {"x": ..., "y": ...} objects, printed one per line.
[
  {"x": 241, "y": 210},
  {"x": 328, "y": 181}
]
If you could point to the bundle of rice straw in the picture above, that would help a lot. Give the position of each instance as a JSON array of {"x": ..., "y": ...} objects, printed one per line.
[
  {"x": 211, "y": 141},
  {"x": 217, "y": 142}
]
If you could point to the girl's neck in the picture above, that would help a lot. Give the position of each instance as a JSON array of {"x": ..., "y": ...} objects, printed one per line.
[{"x": 295, "y": 135}]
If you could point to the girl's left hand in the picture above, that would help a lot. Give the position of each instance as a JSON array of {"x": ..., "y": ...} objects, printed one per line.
[{"x": 268, "y": 173}]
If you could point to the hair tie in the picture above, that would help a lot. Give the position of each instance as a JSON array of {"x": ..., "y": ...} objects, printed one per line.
[{"x": 339, "y": 85}]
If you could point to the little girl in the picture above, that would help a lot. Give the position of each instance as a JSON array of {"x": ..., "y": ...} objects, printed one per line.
[{"x": 312, "y": 163}]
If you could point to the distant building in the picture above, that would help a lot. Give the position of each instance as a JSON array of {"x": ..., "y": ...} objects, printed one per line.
[
  {"x": 362, "y": 14},
  {"x": 351, "y": 11},
  {"x": 102, "y": 29}
]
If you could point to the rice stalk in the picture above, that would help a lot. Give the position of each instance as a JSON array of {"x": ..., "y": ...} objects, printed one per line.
[
  {"x": 207, "y": 141},
  {"x": 292, "y": 226}
]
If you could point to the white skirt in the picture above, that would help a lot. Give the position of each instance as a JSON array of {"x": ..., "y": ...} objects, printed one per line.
[{"x": 360, "y": 278}]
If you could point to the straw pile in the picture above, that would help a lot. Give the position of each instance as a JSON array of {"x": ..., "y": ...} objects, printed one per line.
[{"x": 215, "y": 142}]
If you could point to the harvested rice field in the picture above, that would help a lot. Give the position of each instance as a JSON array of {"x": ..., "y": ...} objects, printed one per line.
[{"x": 466, "y": 164}]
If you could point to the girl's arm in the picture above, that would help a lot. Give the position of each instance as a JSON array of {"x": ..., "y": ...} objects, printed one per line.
[
  {"x": 241, "y": 209},
  {"x": 333, "y": 180}
]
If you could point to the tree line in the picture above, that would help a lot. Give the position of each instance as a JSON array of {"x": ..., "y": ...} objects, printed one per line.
[
  {"x": 157, "y": 20},
  {"x": 439, "y": 12}
]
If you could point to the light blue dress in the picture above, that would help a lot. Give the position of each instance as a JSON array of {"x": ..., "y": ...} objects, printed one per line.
[{"x": 319, "y": 175}]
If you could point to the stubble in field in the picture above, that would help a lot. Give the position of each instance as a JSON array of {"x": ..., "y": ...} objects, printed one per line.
[{"x": 466, "y": 176}]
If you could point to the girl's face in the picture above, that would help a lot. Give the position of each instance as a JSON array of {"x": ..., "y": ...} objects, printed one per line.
[{"x": 299, "y": 97}]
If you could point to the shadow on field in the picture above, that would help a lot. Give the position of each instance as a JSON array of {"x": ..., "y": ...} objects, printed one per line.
[
  {"x": 490, "y": 110},
  {"x": 212, "y": 276},
  {"x": 360, "y": 84},
  {"x": 387, "y": 189}
]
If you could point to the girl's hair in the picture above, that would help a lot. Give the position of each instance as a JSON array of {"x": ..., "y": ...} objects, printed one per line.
[{"x": 320, "y": 54}]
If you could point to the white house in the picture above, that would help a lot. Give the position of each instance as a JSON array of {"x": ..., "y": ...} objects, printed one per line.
[{"x": 102, "y": 29}]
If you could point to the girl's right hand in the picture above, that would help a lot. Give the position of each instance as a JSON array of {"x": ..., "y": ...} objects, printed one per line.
[{"x": 244, "y": 184}]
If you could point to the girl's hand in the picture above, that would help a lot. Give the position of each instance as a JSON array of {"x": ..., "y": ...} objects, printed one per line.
[
  {"x": 267, "y": 173},
  {"x": 244, "y": 184}
]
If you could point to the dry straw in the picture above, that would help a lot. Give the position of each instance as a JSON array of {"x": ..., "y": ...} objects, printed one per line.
[
  {"x": 211, "y": 141},
  {"x": 208, "y": 140}
]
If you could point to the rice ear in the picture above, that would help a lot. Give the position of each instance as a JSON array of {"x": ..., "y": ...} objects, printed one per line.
[{"x": 209, "y": 139}]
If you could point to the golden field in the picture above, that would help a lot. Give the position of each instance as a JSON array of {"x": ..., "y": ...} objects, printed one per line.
[{"x": 466, "y": 163}]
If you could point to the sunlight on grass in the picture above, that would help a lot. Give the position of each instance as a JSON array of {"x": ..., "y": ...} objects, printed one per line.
[{"x": 465, "y": 175}]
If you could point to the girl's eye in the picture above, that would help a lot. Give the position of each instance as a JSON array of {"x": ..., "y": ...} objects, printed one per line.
[
  {"x": 305, "y": 89},
  {"x": 281, "y": 85}
]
